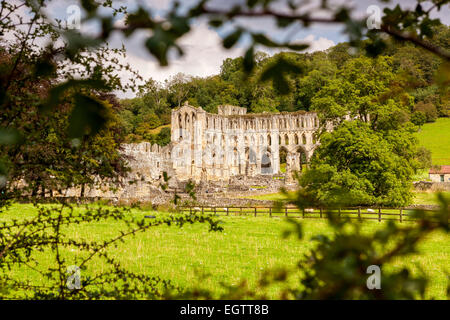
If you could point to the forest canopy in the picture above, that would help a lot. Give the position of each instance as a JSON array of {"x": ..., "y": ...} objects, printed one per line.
[{"x": 330, "y": 81}]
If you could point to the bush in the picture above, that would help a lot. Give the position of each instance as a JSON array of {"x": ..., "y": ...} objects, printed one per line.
[
  {"x": 418, "y": 118},
  {"x": 428, "y": 109}
]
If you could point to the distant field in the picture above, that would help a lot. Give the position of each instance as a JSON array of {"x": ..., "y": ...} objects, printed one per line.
[
  {"x": 436, "y": 137},
  {"x": 427, "y": 197},
  {"x": 245, "y": 248},
  {"x": 158, "y": 129}
]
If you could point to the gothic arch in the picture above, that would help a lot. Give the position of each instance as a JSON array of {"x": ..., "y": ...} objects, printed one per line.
[
  {"x": 266, "y": 161},
  {"x": 304, "y": 141}
]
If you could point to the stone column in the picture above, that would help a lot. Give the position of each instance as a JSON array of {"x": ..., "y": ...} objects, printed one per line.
[{"x": 275, "y": 149}]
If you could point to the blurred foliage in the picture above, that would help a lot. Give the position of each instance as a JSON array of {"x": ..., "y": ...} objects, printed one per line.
[
  {"x": 337, "y": 266},
  {"x": 59, "y": 127}
]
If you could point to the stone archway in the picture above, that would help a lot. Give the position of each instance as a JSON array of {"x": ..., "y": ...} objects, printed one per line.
[
  {"x": 266, "y": 161},
  {"x": 302, "y": 158},
  {"x": 283, "y": 155}
]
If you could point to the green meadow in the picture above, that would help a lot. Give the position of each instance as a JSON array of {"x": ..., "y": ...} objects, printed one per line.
[
  {"x": 192, "y": 256},
  {"x": 436, "y": 137}
]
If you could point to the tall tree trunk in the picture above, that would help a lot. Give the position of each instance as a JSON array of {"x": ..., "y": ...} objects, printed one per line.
[{"x": 82, "y": 191}]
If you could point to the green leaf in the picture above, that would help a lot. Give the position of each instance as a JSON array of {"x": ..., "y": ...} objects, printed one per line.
[
  {"x": 9, "y": 136},
  {"x": 44, "y": 68},
  {"x": 232, "y": 38},
  {"x": 262, "y": 39},
  {"x": 277, "y": 71},
  {"x": 249, "y": 61},
  {"x": 57, "y": 92},
  {"x": 298, "y": 47},
  {"x": 88, "y": 116}
]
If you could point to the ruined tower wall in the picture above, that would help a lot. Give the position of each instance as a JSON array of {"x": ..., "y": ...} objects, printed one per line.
[{"x": 218, "y": 146}]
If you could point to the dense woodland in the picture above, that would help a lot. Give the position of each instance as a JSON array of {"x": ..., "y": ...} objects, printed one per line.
[{"x": 331, "y": 81}]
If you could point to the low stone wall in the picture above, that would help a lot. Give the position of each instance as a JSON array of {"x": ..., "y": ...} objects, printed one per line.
[{"x": 431, "y": 186}]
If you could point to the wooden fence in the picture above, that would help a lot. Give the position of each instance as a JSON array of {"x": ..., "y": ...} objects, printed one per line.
[{"x": 360, "y": 213}]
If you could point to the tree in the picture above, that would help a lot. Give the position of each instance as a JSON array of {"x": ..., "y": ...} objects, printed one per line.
[
  {"x": 163, "y": 137},
  {"x": 178, "y": 87},
  {"x": 355, "y": 165},
  {"x": 428, "y": 109},
  {"x": 418, "y": 118}
]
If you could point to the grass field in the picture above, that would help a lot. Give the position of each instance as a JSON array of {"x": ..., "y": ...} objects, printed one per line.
[
  {"x": 245, "y": 248},
  {"x": 436, "y": 137},
  {"x": 158, "y": 129}
]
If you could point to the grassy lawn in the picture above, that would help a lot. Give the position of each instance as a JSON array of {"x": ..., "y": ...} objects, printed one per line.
[
  {"x": 436, "y": 137},
  {"x": 245, "y": 248},
  {"x": 427, "y": 197}
]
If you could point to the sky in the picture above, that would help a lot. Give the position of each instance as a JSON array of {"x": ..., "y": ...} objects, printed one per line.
[{"x": 204, "y": 53}]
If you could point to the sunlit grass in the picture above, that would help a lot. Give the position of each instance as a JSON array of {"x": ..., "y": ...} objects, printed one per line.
[
  {"x": 428, "y": 197},
  {"x": 245, "y": 248},
  {"x": 435, "y": 136}
]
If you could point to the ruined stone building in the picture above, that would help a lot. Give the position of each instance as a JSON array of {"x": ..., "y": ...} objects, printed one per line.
[
  {"x": 218, "y": 148},
  {"x": 208, "y": 146}
]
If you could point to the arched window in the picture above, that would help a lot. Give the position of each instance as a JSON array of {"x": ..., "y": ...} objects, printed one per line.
[
  {"x": 286, "y": 140},
  {"x": 266, "y": 162},
  {"x": 303, "y": 138},
  {"x": 296, "y": 138},
  {"x": 180, "y": 125}
]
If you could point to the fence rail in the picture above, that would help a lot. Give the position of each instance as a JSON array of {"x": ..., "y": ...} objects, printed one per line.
[{"x": 380, "y": 214}]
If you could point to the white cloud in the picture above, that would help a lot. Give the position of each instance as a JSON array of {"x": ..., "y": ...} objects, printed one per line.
[
  {"x": 203, "y": 56},
  {"x": 318, "y": 45}
]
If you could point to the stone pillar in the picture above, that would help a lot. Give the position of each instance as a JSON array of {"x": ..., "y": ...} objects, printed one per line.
[{"x": 275, "y": 149}]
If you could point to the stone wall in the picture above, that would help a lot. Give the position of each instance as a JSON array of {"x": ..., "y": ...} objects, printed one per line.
[
  {"x": 231, "y": 151},
  {"x": 214, "y": 147},
  {"x": 431, "y": 186}
]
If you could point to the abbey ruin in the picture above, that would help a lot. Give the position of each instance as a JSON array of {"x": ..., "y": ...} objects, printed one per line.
[
  {"x": 208, "y": 146},
  {"x": 223, "y": 149}
]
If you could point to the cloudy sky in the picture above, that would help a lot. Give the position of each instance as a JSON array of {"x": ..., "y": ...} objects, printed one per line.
[{"x": 202, "y": 46}]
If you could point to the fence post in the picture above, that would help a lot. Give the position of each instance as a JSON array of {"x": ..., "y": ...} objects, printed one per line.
[
  {"x": 190, "y": 210},
  {"x": 270, "y": 212},
  {"x": 359, "y": 213},
  {"x": 320, "y": 212},
  {"x": 202, "y": 209},
  {"x": 285, "y": 211},
  {"x": 339, "y": 211},
  {"x": 240, "y": 211},
  {"x": 401, "y": 214},
  {"x": 255, "y": 211},
  {"x": 379, "y": 214},
  {"x": 303, "y": 213}
]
